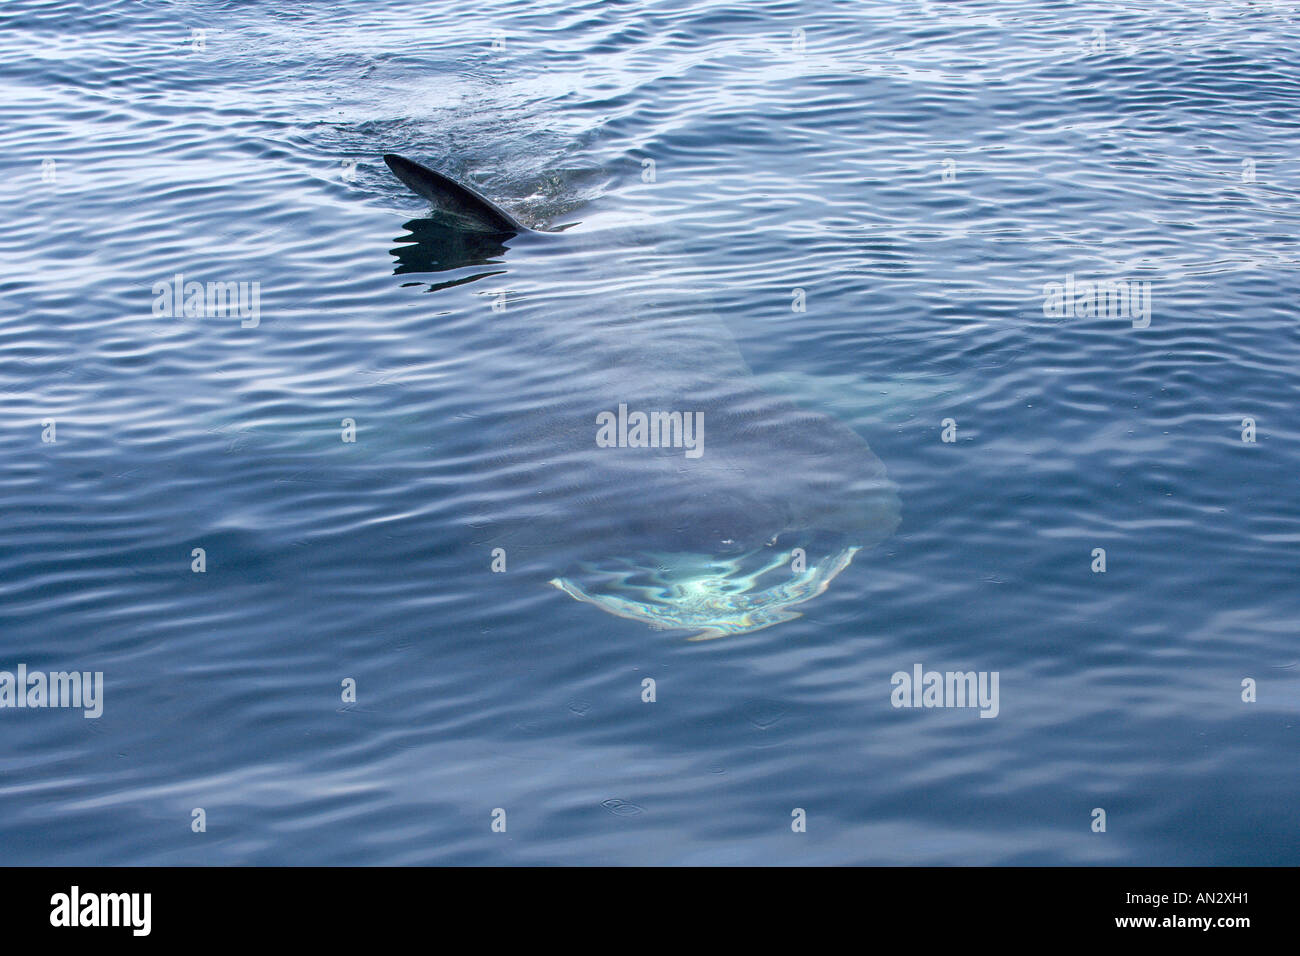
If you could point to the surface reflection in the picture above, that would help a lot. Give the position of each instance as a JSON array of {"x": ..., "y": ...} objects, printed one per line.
[{"x": 435, "y": 245}]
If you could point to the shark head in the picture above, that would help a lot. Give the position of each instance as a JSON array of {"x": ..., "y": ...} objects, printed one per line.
[
  {"x": 714, "y": 597},
  {"x": 721, "y": 552}
]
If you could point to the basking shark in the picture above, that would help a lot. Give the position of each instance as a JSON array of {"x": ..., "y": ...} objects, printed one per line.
[{"x": 656, "y": 479}]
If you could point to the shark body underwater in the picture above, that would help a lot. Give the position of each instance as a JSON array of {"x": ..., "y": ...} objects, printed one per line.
[{"x": 662, "y": 483}]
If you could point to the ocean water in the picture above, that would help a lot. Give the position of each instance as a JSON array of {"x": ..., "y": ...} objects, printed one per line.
[{"x": 838, "y": 230}]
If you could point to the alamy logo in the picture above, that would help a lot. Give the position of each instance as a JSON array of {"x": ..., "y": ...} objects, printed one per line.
[
  {"x": 1105, "y": 298},
  {"x": 176, "y": 298},
  {"x": 81, "y": 689},
  {"x": 923, "y": 688},
  {"x": 651, "y": 430},
  {"x": 75, "y": 908}
]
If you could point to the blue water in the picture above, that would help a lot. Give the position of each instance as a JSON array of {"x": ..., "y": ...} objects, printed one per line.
[{"x": 920, "y": 170}]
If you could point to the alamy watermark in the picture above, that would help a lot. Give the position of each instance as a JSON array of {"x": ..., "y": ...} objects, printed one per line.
[
  {"x": 651, "y": 430},
  {"x": 130, "y": 910},
  {"x": 177, "y": 298},
  {"x": 1104, "y": 298},
  {"x": 922, "y": 688},
  {"x": 82, "y": 689}
]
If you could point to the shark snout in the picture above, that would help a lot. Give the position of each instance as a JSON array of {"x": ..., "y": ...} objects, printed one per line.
[{"x": 726, "y": 524}]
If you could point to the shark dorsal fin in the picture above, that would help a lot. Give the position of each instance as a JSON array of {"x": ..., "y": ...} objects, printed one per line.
[{"x": 451, "y": 198}]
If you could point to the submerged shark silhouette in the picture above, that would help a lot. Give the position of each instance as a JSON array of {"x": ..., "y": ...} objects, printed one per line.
[{"x": 772, "y": 505}]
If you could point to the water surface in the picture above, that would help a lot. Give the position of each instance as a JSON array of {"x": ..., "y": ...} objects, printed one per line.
[{"x": 920, "y": 170}]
